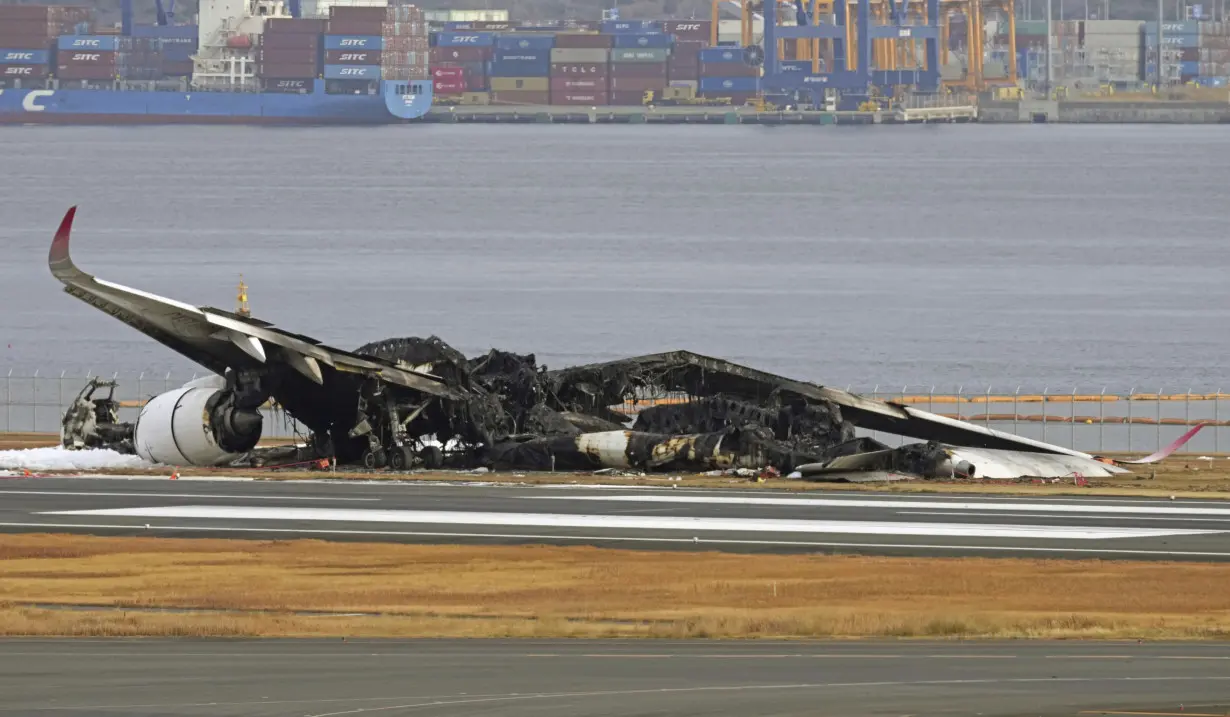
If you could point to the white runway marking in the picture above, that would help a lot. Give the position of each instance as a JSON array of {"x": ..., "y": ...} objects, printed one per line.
[
  {"x": 1027, "y": 548},
  {"x": 184, "y": 495},
  {"x": 627, "y": 522},
  {"x": 899, "y": 504},
  {"x": 1054, "y": 517}
]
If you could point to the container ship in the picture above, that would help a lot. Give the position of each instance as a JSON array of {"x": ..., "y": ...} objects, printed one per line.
[{"x": 244, "y": 62}]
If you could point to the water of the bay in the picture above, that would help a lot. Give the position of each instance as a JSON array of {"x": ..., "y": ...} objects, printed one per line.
[{"x": 966, "y": 255}]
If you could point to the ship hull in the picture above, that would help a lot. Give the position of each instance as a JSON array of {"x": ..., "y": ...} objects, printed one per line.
[{"x": 397, "y": 102}]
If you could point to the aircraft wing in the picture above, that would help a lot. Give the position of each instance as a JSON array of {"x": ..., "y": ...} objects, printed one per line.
[{"x": 221, "y": 340}]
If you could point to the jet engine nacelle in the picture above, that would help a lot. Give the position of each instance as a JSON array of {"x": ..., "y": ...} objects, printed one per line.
[{"x": 196, "y": 425}]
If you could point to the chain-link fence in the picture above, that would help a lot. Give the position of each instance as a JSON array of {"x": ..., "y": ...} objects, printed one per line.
[{"x": 1138, "y": 419}]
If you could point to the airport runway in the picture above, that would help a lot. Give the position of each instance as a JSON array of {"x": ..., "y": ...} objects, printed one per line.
[
  {"x": 316, "y": 678},
  {"x": 732, "y": 520}
]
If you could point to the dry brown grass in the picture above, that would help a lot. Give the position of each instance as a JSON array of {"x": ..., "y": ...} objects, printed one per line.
[{"x": 544, "y": 591}]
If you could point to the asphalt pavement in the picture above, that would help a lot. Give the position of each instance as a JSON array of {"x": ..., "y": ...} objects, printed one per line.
[
  {"x": 578, "y": 678},
  {"x": 731, "y": 520}
]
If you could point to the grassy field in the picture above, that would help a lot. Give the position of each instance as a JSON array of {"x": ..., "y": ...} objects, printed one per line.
[{"x": 250, "y": 588}]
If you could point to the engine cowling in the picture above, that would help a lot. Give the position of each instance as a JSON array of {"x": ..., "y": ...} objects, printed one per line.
[{"x": 197, "y": 426}]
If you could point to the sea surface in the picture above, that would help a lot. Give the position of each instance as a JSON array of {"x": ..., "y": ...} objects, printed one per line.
[{"x": 973, "y": 256}]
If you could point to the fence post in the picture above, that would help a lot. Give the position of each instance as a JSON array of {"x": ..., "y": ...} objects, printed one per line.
[
  {"x": 1016, "y": 416},
  {"x": 1217, "y": 420},
  {"x": 931, "y": 400},
  {"x": 34, "y": 402},
  {"x": 901, "y": 438},
  {"x": 8, "y": 402},
  {"x": 1102, "y": 421},
  {"x": 1072, "y": 421},
  {"x": 1158, "y": 445},
  {"x": 986, "y": 408},
  {"x": 1131, "y": 395},
  {"x": 960, "y": 395},
  {"x": 1046, "y": 394}
]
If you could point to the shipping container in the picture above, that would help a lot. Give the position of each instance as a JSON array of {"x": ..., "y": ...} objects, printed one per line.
[
  {"x": 293, "y": 26},
  {"x": 177, "y": 68},
  {"x": 520, "y": 63},
  {"x": 289, "y": 42},
  {"x": 593, "y": 99},
  {"x": 24, "y": 57},
  {"x": 403, "y": 72},
  {"x": 274, "y": 56},
  {"x": 728, "y": 69},
  {"x": 354, "y": 42},
  {"x": 689, "y": 30},
  {"x": 653, "y": 55},
  {"x": 406, "y": 44},
  {"x": 465, "y": 39},
  {"x": 448, "y": 73},
  {"x": 361, "y": 14},
  {"x": 93, "y": 43},
  {"x": 687, "y": 50},
  {"x": 287, "y": 72},
  {"x": 44, "y": 12},
  {"x": 87, "y": 59},
  {"x": 520, "y": 98},
  {"x": 26, "y": 42},
  {"x": 355, "y": 27},
  {"x": 639, "y": 69},
  {"x": 524, "y": 42},
  {"x": 713, "y": 55},
  {"x": 729, "y": 84},
  {"x": 479, "y": 26},
  {"x": 86, "y": 72},
  {"x": 351, "y": 57},
  {"x": 450, "y": 87},
  {"x": 682, "y": 73},
  {"x": 630, "y": 84},
  {"x": 648, "y": 40},
  {"x": 25, "y": 72},
  {"x": 352, "y": 72},
  {"x": 626, "y": 99},
  {"x": 579, "y": 84},
  {"x": 576, "y": 56},
  {"x": 528, "y": 84},
  {"x": 737, "y": 99},
  {"x": 461, "y": 54},
  {"x": 587, "y": 69},
  {"x": 389, "y": 57},
  {"x": 290, "y": 86},
  {"x": 404, "y": 29},
  {"x": 615, "y": 27},
  {"x": 578, "y": 40}
]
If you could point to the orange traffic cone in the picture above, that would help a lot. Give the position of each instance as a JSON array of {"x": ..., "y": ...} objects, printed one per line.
[{"x": 175, "y": 473}]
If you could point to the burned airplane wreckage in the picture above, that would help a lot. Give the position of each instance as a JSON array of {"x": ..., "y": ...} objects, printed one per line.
[{"x": 410, "y": 402}]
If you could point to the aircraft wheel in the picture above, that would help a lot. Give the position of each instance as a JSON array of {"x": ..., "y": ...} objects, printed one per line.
[
  {"x": 432, "y": 457},
  {"x": 373, "y": 459},
  {"x": 400, "y": 458}
]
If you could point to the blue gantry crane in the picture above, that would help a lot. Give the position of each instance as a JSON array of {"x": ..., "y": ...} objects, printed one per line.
[{"x": 854, "y": 68}]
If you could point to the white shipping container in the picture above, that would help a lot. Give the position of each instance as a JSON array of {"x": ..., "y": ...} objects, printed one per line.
[
  {"x": 1112, "y": 27},
  {"x": 1109, "y": 40},
  {"x": 320, "y": 8},
  {"x": 477, "y": 16}
]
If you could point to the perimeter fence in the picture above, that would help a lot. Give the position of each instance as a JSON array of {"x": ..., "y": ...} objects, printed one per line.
[{"x": 1104, "y": 420}]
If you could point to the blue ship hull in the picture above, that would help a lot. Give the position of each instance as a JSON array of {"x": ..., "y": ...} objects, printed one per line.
[{"x": 398, "y": 101}]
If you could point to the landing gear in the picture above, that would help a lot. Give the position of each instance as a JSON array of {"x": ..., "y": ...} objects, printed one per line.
[
  {"x": 432, "y": 457},
  {"x": 400, "y": 458},
  {"x": 373, "y": 458}
]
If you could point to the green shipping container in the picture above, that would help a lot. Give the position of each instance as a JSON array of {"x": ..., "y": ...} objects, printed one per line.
[{"x": 658, "y": 55}]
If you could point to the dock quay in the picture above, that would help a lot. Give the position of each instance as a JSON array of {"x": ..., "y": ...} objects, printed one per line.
[{"x": 550, "y": 114}]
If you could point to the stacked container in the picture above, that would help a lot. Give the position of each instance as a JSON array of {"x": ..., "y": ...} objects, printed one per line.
[
  {"x": 634, "y": 70},
  {"x": 581, "y": 75},
  {"x": 1192, "y": 51},
  {"x": 521, "y": 69},
  {"x": 449, "y": 81},
  {"x": 684, "y": 66},
  {"x": 288, "y": 56},
  {"x": 179, "y": 44},
  {"x": 468, "y": 51},
  {"x": 95, "y": 58},
  {"x": 28, "y": 36},
  {"x": 723, "y": 73}
]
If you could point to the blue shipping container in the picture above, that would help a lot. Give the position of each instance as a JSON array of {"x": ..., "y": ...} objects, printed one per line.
[
  {"x": 655, "y": 40},
  {"x": 102, "y": 43},
  {"x": 354, "y": 42},
  {"x": 521, "y": 56},
  {"x": 1213, "y": 81},
  {"x": 465, "y": 39},
  {"x": 1189, "y": 68},
  {"x": 617, "y": 27},
  {"x": 797, "y": 67},
  {"x": 520, "y": 68},
  {"x": 1188, "y": 27},
  {"x": 352, "y": 72},
  {"x": 525, "y": 42},
  {"x": 729, "y": 84},
  {"x": 1173, "y": 42},
  {"x": 710, "y": 55},
  {"x": 24, "y": 57}
]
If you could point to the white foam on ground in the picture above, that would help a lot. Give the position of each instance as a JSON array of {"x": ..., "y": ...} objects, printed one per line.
[
  {"x": 56, "y": 458},
  {"x": 623, "y": 522}
]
